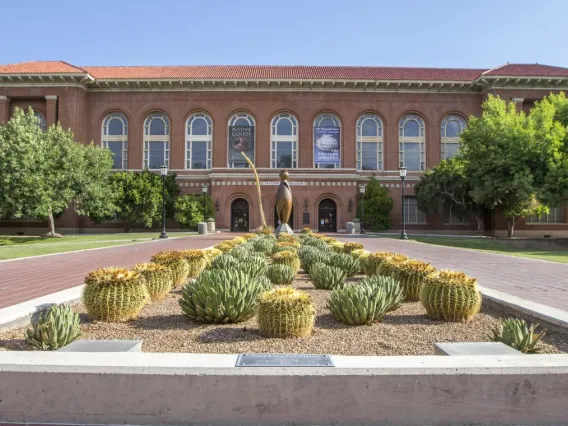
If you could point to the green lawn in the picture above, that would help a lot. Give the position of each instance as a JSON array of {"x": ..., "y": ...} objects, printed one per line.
[
  {"x": 12, "y": 247},
  {"x": 495, "y": 246}
]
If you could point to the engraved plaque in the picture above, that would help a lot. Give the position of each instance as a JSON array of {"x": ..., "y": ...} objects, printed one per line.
[{"x": 284, "y": 360}]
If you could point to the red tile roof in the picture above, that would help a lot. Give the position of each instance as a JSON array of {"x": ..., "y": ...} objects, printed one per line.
[
  {"x": 528, "y": 70},
  {"x": 41, "y": 67}
]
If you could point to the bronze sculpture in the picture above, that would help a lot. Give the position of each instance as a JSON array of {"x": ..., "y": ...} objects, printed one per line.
[{"x": 284, "y": 204}]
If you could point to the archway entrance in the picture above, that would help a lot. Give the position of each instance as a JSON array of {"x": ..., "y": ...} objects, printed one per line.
[
  {"x": 327, "y": 216},
  {"x": 240, "y": 215},
  {"x": 290, "y": 221}
]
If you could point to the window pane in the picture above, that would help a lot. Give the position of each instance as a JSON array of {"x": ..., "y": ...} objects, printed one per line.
[
  {"x": 453, "y": 129},
  {"x": 157, "y": 127},
  {"x": 116, "y": 149},
  {"x": 369, "y": 156},
  {"x": 284, "y": 154},
  {"x": 412, "y": 156},
  {"x": 326, "y": 122},
  {"x": 369, "y": 128},
  {"x": 115, "y": 127},
  {"x": 199, "y": 155},
  {"x": 241, "y": 122},
  {"x": 411, "y": 129},
  {"x": 284, "y": 127},
  {"x": 156, "y": 155},
  {"x": 452, "y": 149},
  {"x": 199, "y": 127}
]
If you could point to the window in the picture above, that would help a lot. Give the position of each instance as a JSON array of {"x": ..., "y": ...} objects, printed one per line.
[
  {"x": 451, "y": 216},
  {"x": 452, "y": 126},
  {"x": 411, "y": 212},
  {"x": 241, "y": 139},
  {"x": 156, "y": 141},
  {"x": 198, "y": 140},
  {"x": 369, "y": 142},
  {"x": 411, "y": 142},
  {"x": 115, "y": 138},
  {"x": 284, "y": 142},
  {"x": 556, "y": 215},
  {"x": 327, "y": 141},
  {"x": 42, "y": 122}
]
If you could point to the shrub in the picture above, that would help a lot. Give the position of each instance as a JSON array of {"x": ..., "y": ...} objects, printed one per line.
[
  {"x": 410, "y": 274},
  {"x": 54, "y": 328},
  {"x": 309, "y": 255},
  {"x": 517, "y": 334},
  {"x": 347, "y": 263},
  {"x": 393, "y": 290},
  {"x": 253, "y": 266},
  {"x": 176, "y": 263},
  {"x": 350, "y": 247},
  {"x": 157, "y": 279},
  {"x": 306, "y": 231},
  {"x": 285, "y": 312},
  {"x": 451, "y": 296},
  {"x": 280, "y": 274},
  {"x": 264, "y": 245},
  {"x": 225, "y": 262},
  {"x": 326, "y": 277},
  {"x": 188, "y": 210},
  {"x": 114, "y": 294},
  {"x": 220, "y": 296},
  {"x": 289, "y": 258},
  {"x": 378, "y": 206},
  {"x": 196, "y": 260},
  {"x": 358, "y": 304}
]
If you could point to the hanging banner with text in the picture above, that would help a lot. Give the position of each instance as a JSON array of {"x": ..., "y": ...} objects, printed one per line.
[
  {"x": 241, "y": 140},
  {"x": 326, "y": 146}
]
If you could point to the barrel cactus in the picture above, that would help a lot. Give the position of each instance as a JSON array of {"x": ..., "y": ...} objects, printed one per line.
[
  {"x": 450, "y": 296},
  {"x": 306, "y": 231},
  {"x": 114, "y": 294},
  {"x": 358, "y": 304},
  {"x": 157, "y": 278},
  {"x": 221, "y": 296},
  {"x": 176, "y": 263},
  {"x": 54, "y": 328},
  {"x": 196, "y": 260},
  {"x": 345, "y": 262},
  {"x": 288, "y": 244},
  {"x": 249, "y": 236},
  {"x": 280, "y": 274},
  {"x": 393, "y": 290},
  {"x": 289, "y": 258},
  {"x": 327, "y": 277},
  {"x": 287, "y": 238},
  {"x": 374, "y": 262},
  {"x": 225, "y": 247},
  {"x": 349, "y": 247},
  {"x": 410, "y": 274},
  {"x": 309, "y": 255},
  {"x": 253, "y": 266},
  {"x": 225, "y": 262},
  {"x": 285, "y": 312},
  {"x": 337, "y": 247},
  {"x": 319, "y": 244},
  {"x": 517, "y": 334},
  {"x": 211, "y": 254},
  {"x": 362, "y": 255}
]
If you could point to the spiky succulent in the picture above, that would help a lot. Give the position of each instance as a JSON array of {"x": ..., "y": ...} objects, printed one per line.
[
  {"x": 289, "y": 258},
  {"x": 287, "y": 238},
  {"x": 280, "y": 274},
  {"x": 345, "y": 262},
  {"x": 306, "y": 231},
  {"x": 409, "y": 273},
  {"x": 358, "y": 304},
  {"x": 328, "y": 240},
  {"x": 224, "y": 261},
  {"x": 285, "y": 312},
  {"x": 221, "y": 296},
  {"x": 211, "y": 254},
  {"x": 319, "y": 244},
  {"x": 225, "y": 246},
  {"x": 393, "y": 290},
  {"x": 517, "y": 334},
  {"x": 249, "y": 236},
  {"x": 54, "y": 328},
  {"x": 242, "y": 252},
  {"x": 253, "y": 266},
  {"x": 196, "y": 260},
  {"x": 326, "y": 277},
  {"x": 157, "y": 278},
  {"x": 176, "y": 263},
  {"x": 336, "y": 246},
  {"x": 264, "y": 245},
  {"x": 264, "y": 282},
  {"x": 309, "y": 255},
  {"x": 288, "y": 244},
  {"x": 374, "y": 262},
  {"x": 349, "y": 247},
  {"x": 450, "y": 296},
  {"x": 362, "y": 256},
  {"x": 114, "y": 294}
]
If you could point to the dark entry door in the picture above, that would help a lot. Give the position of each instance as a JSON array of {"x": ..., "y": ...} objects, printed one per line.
[
  {"x": 327, "y": 216},
  {"x": 290, "y": 221},
  {"x": 240, "y": 215}
]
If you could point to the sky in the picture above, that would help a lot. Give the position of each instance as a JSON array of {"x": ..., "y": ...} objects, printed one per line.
[{"x": 429, "y": 33}]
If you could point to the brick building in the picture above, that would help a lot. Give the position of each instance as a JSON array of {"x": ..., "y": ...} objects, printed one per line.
[{"x": 332, "y": 127}]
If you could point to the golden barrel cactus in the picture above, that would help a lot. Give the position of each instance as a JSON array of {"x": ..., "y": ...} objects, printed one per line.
[
  {"x": 114, "y": 294},
  {"x": 196, "y": 260},
  {"x": 289, "y": 258},
  {"x": 157, "y": 278},
  {"x": 373, "y": 262},
  {"x": 450, "y": 296},
  {"x": 350, "y": 247},
  {"x": 285, "y": 312},
  {"x": 176, "y": 263},
  {"x": 409, "y": 273}
]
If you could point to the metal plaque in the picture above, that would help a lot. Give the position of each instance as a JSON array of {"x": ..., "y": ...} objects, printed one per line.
[{"x": 284, "y": 360}]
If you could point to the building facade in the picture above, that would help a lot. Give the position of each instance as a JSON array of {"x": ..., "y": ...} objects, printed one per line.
[{"x": 331, "y": 127}]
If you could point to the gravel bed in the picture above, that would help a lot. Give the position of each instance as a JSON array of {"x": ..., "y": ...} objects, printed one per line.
[{"x": 405, "y": 331}]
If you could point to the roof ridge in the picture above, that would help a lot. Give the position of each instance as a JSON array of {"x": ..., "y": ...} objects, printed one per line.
[
  {"x": 285, "y": 66},
  {"x": 496, "y": 68}
]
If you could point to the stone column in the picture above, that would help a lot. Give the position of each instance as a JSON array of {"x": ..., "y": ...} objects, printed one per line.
[
  {"x": 51, "y": 109},
  {"x": 4, "y": 109}
]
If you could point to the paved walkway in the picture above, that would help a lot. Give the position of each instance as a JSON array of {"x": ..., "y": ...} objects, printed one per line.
[
  {"x": 25, "y": 279},
  {"x": 535, "y": 280}
]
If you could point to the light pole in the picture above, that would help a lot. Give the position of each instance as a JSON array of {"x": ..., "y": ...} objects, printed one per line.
[
  {"x": 402, "y": 173},
  {"x": 204, "y": 193},
  {"x": 362, "y": 188},
  {"x": 164, "y": 173}
]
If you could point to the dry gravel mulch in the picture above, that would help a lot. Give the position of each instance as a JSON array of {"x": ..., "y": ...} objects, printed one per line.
[{"x": 405, "y": 331}]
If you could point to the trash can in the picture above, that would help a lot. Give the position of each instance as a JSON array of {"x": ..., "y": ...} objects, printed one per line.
[
  {"x": 210, "y": 225},
  {"x": 202, "y": 228},
  {"x": 350, "y": 227}
]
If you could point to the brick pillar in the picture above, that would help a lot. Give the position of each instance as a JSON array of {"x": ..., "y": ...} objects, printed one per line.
[
  {"x": 4, "y": 109},
  {"x": 51, "y": 109},
  {"x": 518, "y": 103}
]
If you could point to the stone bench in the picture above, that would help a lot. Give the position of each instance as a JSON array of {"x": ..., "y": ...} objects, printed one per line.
[
  {"x": 474, "y": 348},
  {"x": 103, "y": 346}
]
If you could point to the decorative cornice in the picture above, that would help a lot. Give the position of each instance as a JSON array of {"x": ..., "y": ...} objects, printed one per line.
[{"x": 51, "y": 97}]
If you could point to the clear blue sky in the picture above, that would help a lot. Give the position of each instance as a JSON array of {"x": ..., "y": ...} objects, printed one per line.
[{"x": 434, "y": 33}]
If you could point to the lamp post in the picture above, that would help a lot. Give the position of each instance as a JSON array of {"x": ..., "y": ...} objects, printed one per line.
[
  {"x": 204, "y": 193},
  {"x": 362, "y": 188},
  {"x": 164, "y": 173},
  {"x": 402, "y": 173}
]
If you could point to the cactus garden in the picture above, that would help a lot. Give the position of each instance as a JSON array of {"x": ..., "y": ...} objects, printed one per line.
[{"x": 307, "y": 293}]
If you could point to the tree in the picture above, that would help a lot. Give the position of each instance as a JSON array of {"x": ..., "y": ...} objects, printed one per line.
[
  {"x": 43, "y": 172},
  {"x": 378, "y": 205},
  {"x": 447, "y": 185},
  {"x": 189, "y": 210},
  {"x": 504, "y": 163}
]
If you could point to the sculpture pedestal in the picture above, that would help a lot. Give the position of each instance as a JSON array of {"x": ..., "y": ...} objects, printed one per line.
[{"x": 284, "y": 229}]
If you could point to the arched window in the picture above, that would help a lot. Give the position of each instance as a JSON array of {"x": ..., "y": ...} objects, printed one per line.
[
  {"x": 284, "y": 141},
  {"x": 452, "y": 126},
  {"x": 198, "y": 141},
  {"x": 42, "y": 122},
  {"x": 369, "y": 142},
  {"x": 156, "y": 141},
  {"x": 241, "y": 139},
  {"x": 411, "y": 142},
  {"x": 115, "y": 138},
  {"x": 327, "y": 141}
]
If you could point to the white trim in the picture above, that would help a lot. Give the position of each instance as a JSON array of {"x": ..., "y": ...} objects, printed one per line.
[
  {"x": 123, "y": 138},
  {"x": 51, "y": 97},
  {"x": 276, "y": 139},
  {"x": 190, "y": 139},
  {"x": 165, "y": 138}
]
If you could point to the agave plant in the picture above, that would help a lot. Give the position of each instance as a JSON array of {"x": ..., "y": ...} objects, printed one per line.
[
  {"x": 517, "y": 334},
  {"x": 393, "y": 291},
  {"x": 345, "y": 262},
  {"x": 224, "y": 261},
  {"x": 326, "y": 277},
  {"x": 309, "y": 255},
  {"x": 280, "y": 274},
  {"x": 55, "y": 327},
  {"x": 264, "y": 282},
  {"x": 253, "y": 266},
  {"x": 264, "y": 245},
  {"x": 358, "y": 304}
]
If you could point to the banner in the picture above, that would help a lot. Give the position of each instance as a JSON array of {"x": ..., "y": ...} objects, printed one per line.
[
  {"x": 326, "y": 146},
  {"x": 241, "y": 139}
]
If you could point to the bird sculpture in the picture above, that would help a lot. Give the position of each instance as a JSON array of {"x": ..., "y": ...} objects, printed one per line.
[{"x": 284, "y": 203}]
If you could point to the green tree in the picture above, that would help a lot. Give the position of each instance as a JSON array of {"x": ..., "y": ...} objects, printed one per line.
[
  {"x": 378, "y": 205},
  {"x": 504, "y": 163},
  {"x": 447, "y": 185},
  {"x": 44, "y": 172},
  {"x": 189, "y": 210}
]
